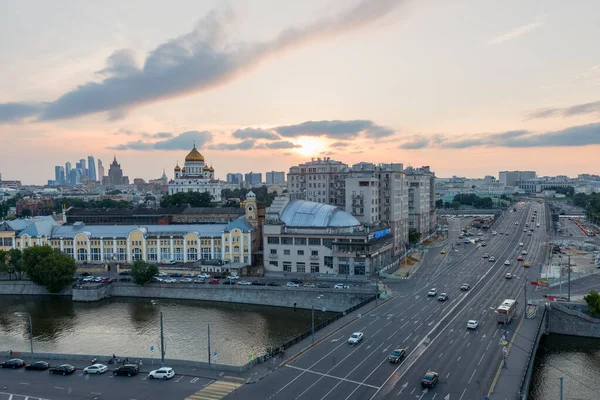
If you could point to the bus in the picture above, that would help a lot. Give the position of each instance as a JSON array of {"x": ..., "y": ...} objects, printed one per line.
[{"x": 506, "y": 311}]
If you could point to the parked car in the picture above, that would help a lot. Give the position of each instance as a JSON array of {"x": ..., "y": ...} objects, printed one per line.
[
  {"x": 472, "y": 324},
  {"x": 323, "y": 285},
  {"x": 170, "y": 280},
  {"x": 432, "y": 292},
  {"x": 430, "y": 379},
  {"x": 162, "y": 373},
  {"x": 176, "y": 275},
  {"x": 355, "y": 338},
  {"x": 309, "y": 285},
  {"x": 465, "y": 287},
  {"x": 167, "y": 262},
  {"x": 245, "y": 283},
  {"x": 228, "y": 282},
  {"x": 397, "y": 355},
  {"x": 341, "y": 286},
  {"x": 234, "y": 277},
  {"x": 186, "y": 280},
  {"x": 258, "y": 283},
  {"x": 273, "y": 284},
  {"x": 124, "y": 273},
  {"x": 213, "y": 282},
  {"x": 95, "y": 369},
  {"x": 292, "y": 284},
  {"x": 219, "y": 276},
  {"x": 204, "y": 275},
  {"x": 13, "y": 363},
  {"x": 199, "y": 280},
  {"x": 127, "y": 370},
  {"x": 84, "y": 274},
  {"x": 65, "y": 369},
  {"x": 37, "y": 366},
  {"x": 188, "y": 275}
]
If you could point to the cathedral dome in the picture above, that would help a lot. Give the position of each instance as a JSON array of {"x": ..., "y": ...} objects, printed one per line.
[
  {"x": 206, "y": 168},
  {"x": 194, "y": 155},
  {"x": 177, "y": 168}
]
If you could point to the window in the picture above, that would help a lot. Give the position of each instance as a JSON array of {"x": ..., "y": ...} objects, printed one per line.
[
  {"x": 287, "y": 240},
  {"x": 344, "y": 269},
  {"x": 314, "y": 241},
  {"x": 69, "y": 251},
  {"x": 152, "y": 254},
  {"x": 300, "y": 252},
  {"x": 122, "y": 255},
  {"x": 178, "y": 254},
  {"x": 328, "y": 243},
  {"x": 314, "y": 253},
  {"x": 274, "y": 251},
  {"x": 226, "y": 249},
  {"x": 108, "y": 254},
  {"x": 359, "y": 269},
  {"x": 300, "y": 241},
  {"x": 300, "y": 267},
  {"x": 272, "y": 240},
  {"x": 165, "y": 253},
  {"x": 192, "y": 254},
  {"x": 314, "y": 268},
  {"x": 286, "y": 252},
  {"x": 136, "y": 254},
  {"x": 206, "y": 253},
  {"x": 274, "y": 264},
  {"x": 328, "y": 261},
  {"x": 287, "y": 266},
  {"x": 81, "y": 255},
  {"x": 95, "y": 254},
  {"x": 236, "y": 249}
]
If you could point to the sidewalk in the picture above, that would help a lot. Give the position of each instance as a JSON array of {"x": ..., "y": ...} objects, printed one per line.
[{"x": 507, "y": 381}]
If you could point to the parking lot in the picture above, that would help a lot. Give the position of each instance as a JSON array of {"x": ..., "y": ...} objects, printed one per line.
[{"x": 12, "y": 396}]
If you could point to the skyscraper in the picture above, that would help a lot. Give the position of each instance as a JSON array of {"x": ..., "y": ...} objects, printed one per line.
[
  {"x": 253, "y": 178},
  {"x": 59, "y": 175},
  {"x": 275, "y": 178},
  {"x": 235, "y": 178},
  {"x": 115, "y": 173},
  {"x": 100, "y": 170},
  {"x": 68, "y": 172},
  {"x": 91, "y": 169}
]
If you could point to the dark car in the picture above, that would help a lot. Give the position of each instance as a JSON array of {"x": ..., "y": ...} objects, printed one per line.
[
  {"x": 258, "y": 283},
  {"x": 125, "y": 279},
  {"x": 37, "y": 366},
  {"x": 13, "y": 363},
  {"x": 124, "y": 273},
  {"x": 126, "y": 370},
  {"x": 64, "y": 369},
  {"x": 323, "y": 285},
  {"x": 273, "y": 284},
  {"x": 84, "y": 274},
  {"x": 228, "y": 282},
  {"x": 213, "y": 282},
  {"x": 176, "y": 275},
  {"x": 298, "y": 281},
  {"x": 219, "y": 276},
  {"x": 397, "y": 356},
  {"x": 430, "y": 379}
]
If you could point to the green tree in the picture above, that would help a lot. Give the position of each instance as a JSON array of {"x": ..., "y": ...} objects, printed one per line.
[
  {"x": 49, "y": 268},
  {"x": 593, "y": 301},
  {"x": 3, "y": 262},
  {"x": 413, "y": 236},
  {"x": 439, "y": 203},
  {"x": 194, "y": 199},
  {"x": 456, "y": 205},
  {"x": 143, "y": 272},
  {"x": 15, "y": 263}
]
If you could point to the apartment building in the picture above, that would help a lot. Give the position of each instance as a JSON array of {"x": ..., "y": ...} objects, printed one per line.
[
  {"x": 321, "y": 180},
  {"x": 512, "y": 178},
  {"x": 421, "y": 199}
]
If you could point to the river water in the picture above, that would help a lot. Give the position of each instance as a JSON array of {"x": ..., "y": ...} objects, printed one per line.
[
  {"x": 576, "y": 359},
  {"x": 128, "y": 327}
]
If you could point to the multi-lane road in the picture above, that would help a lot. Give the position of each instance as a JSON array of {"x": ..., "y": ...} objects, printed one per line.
[{"x": 434, "y": 333}]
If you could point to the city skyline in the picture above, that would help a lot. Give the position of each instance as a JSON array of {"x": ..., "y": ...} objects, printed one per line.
[{"x": 513, "y": 86}]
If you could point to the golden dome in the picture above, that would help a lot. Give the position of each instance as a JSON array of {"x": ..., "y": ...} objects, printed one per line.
[
  {"x": 194, "y": 155},
  {"x": 211, "y": 169},
  {"x": 206, "y": 168},
  {"x": 177, "y": 168}
]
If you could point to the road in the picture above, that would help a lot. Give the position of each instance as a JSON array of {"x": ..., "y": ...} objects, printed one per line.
[{"x": 434, "y": 333}]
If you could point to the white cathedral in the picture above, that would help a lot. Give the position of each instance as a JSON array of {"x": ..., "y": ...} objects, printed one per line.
[{"x": 196, "y": 176}]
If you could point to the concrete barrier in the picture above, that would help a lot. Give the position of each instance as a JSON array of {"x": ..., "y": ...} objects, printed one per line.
[
  {"x": 29, "y": 288},
  {"x": 572, "y": 319}
]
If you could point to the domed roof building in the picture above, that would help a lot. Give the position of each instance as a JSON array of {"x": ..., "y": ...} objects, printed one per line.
[{"x": 195, "y": 176}]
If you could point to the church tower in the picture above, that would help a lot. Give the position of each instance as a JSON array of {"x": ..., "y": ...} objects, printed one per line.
[{"x": 251, "y": 209}]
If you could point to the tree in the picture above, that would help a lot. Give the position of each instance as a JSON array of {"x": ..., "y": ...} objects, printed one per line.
[
  {"x": 3, "y": 262},
  {"x": 413, "y": 236},
  {"x": 194, "y": 199},
  {"x": 439, "y": 203},
  {"x": 15, "y": 263},
  {"x": 456, "y": 205},
  {"x": 143, "y": 272},
  {"x": 49, "y": 268},
  {"x": 593, "y": 301}
]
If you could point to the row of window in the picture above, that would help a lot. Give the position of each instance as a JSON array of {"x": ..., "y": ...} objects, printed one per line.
[
  {"x": 300, "y": 252},
  {"x": 314, "y": 268},
  {"x": 136, "y": 254},
  {"x": 109, "y": 242},
  {"x": 6, "y": 242},
  {"x": 299, "y": 241}
]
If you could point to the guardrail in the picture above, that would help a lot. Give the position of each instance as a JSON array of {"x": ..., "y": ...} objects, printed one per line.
[{"x": 526, "y": 379}]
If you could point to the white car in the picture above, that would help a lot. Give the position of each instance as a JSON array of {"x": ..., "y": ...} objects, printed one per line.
[
  {"x": 244, "y": 283},
  {"x": 95, "y": 369},
  {"x": 186, "y": 280},
  {"x": 340, "y": 286},
  {"x": 494, "y": 233},
  {"x": 432, "y": 292},
  {"x": 472, "y": 324},
  {"x": 507, "y": 262},
  {"x": 520, "y": 243},
  {"x": 170, "y": 280},
  {"x": 88, "y": 279},
  {"x": 204, "y": 275},
  {"x": 292, "y": 284},
  {"x": 309, "y": 285},
  {"x": 524, "y": 252},
  {"x": 162, "y": 274},
  {"x": 234, "y": 277},
  {"x": 355, "y": 338},
  {"x": 162, "y": 373},
  {"x": 169, "y": 262},
  {"x": 508, "y": 275}
]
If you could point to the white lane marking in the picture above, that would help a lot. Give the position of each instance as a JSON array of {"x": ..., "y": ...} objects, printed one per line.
[
  {"x": 447, "y": 376},
  {"x": 496, "y": 332},
  {"x": 434, "y": 396},
  {"x": 458, "y": 359},
  {"x": 463, "y": 393},
  {"x": 468, "y": 344},
  {"x": 466, "y": 333},
  {"x": 58, "y": 387},
  {"x": 405, "y": 339},
  {"x": 420, "y": 325},
  {"x": 406, "y": 323},
  {"x": 472, "y": 375},
  {"x": 196, "y": 380},
  {"x": 376, "y": 333},
  {"x": 451, "y": 341},
  {"x": 337, "y": 339},
  {"x": 413, "y": 390},
  {"x": 332, "y": 376},
  {"x": 96, "y": 393},
  {"x": 423, "y": 309},
  {"x": 372, "y": 322},
  {"x": 392, "y": 335},
  {"x": 480, "y": 359},
  {"x": 180, "y": 378},
  {"x": 387, "y": 324},
  {"x": 441, "y": 354},
  {"x": 488, "y": 346}
]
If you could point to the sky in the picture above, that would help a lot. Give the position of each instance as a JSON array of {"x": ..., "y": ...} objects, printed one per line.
[{"x": 468, "y": 87}]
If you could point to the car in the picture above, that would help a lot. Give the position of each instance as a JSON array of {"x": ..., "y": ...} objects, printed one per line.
[
  {"x": 524, "y": 252},
  {"x": 64, "y": 369},
  {"x": 89, "y": 279},
  {"x": 204, "y": 275},
  {"x": 258, "y": 283},
  {"x": 524, "y": 230},
  {"x": 520, "y": 243},
  {"x": 167, "y": 262},
  {"x": 467, "y": 241},
  {"x": 219, "y": 276},
  {"x": 170, "y": 280},
  {"x": 186, "y": 280},
  {"x": 245, "y": 283},
  {"x": 492, "y": 259},
  {"x": 309, "y": 285},
  {"x": 520, "y": 258},
  {"x": 529, "y": 233},
  {"x": 162, "y": 373},
  {"x": 430, "y": 379},
  {"x": 508, "y": 275},
  {"x": 443, "y": 251},
  {"x": 105, "y": 280},
  {"x": 84, "y": 274},
  {"x": 465, "y": 287},
  {"x": 199, "y": 280},
  {"x": 507, "y": 233},
  {"x": 95, "y": 369},
  {"x": 273, "y": 284},
  {"x": 472, "y": 324},
  {"x": 483, "y": 244},
  {"x": 516, "y": 223},
  {"x": 127, "y": 370},
  {"x": 485, "y": 255},
  {"x": 13, "y": 363},
  {"x": 397, "y": 355},
  {"x": 355, "y": 338},
  {"x": 432, "y": 292},
  {"x": 443, "y": 297},
  {"x": 292, "y": 284},
  {"x": 228, "y": 282},
  {"x": 479, "y": 233},
  {"x": 113, "y": 280},
  {"x": 494, "y": 233},
  {"x": 124, "y": 273},
  {"x": 341, "y": 286},
  {"x": 37, "y": 366},
  {"x": 527, "y": 264},
  {"x": 162, "y": 274},
  {"x": 176, "y": 275},
  {"x": 213, "y": 282},
  {"x": 188, "y": 275},
  {"x": 323, "y": 285},
  {"x": 234, "y": 277},
  {"x": 507, "y": 262}
]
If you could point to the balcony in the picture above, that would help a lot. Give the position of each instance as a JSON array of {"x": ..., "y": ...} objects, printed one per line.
[
  {"x": 314, "y": 257},
  {"x": 273, "y": 256}
]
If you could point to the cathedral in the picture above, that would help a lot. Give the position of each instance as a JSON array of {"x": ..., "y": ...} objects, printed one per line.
[{"x": 196, "y": 176}]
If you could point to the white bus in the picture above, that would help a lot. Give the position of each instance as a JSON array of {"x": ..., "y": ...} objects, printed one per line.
[{"x": 506, "y": 311}]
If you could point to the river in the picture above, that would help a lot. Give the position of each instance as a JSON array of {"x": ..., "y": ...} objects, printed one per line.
[
  {"x": 128, "y": 327},
  {"x": 574, "y": 358}
]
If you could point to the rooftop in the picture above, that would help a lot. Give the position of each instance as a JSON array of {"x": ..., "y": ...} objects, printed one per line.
[{"x": 302, "y": 213}]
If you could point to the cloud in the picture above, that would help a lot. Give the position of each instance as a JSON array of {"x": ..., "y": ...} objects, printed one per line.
[
  {"x": 578, "y": 109},
  {"x": 284, "y": 144},
  {"x": 183, "y": 141},
  {"x": 575, "y": 136},
  {"x": 520, "y": 31},
  {"x": 335, "y": 129},
  {"x": 339, "y": 144},
  {"x": 193, "y": 62},
  {"x": 158, "y": 135},
  {"x": 127, "y": 132},
  {"x": 243, "y": 145},
  {"x": 252, "y": 133}
]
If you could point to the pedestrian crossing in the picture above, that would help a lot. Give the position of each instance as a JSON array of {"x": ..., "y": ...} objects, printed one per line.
[{"x": 215, "y": 391}]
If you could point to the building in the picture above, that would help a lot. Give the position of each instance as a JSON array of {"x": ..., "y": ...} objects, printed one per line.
[
  {"x": 511, "y": 178},
  {"x": 421, "y": 200},
  {"x": 235, "y": 178},
  {"x": 100, "y": 171},
  {"x": 196, "y": 176},
  {"x": 68, "y": 172},
  {"x": 10, "y": 184},
  {"x": 115, "y": 173},
  {"x": 305, "y": 237},
  {"x": 539, "y": 185},
  {"x": 9, "y": 230},
  {"x": 253, "y": 178},
  {"x": 320, "y": 180},
  {"x": 91, "y": 169},
  {"x": 275, "y": 178},
  {"x": 59, "y": 175}
]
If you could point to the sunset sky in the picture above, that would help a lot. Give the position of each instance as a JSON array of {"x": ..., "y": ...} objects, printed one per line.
[{"x": 469, "y": 87}]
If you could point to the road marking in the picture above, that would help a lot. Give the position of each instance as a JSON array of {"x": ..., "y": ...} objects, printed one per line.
[
  {"x": 180, "y": 378},
  {"x": 458, "y": 359},
  {"x": 96, "y": 393},
  {"x": 423, "y": 309},
  {"x": 372, "y": 322},
  {"x": 420, "y": 325},
  {"x": 468, "y": 344},
  {"x": 451, "y": 341},
  {"x": 337, "y": 339},
  {"x": 406, "y": 323},
  {"x": 488, "y": 346},
  {"x": 386, "y": 349},
  {"x": 392, "y": 335},
  {"x": 483, "y": 337},
  {"x": 447, "y": 376},
  {"x": 388, "y": 323},
  {"x": 407, "y": 338},
  {"x": 472, "y": 375},
  {"x": 196, "y": 380},
  {"x": 463, "y": 393},
  {"x": 58, "y": 387},
  {"x": 434, "y": 396},
  {"x": 480, "y": 359},
  {"x": 441, "y": 354},
  {"x": 495, "y": 333},
  {"x": 332, "y": 376},
  {"x": 376, "y": 333}
]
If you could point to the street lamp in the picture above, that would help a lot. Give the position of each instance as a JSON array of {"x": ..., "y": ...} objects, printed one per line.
[
  {"x": 313, "y": 319},
  {"x": 162, "y": 337},
  {"x": 24, "y": 314}
]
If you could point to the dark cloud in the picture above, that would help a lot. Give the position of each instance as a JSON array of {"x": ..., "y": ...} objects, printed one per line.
[
  {"x": 339, "y": 144},
  {"x": 252, "y": 133},
  {"x": 243, "y": 145},
  {"x": 335, "y": 129},
  {"x": 417, "y": 143},
  {"x": 283, "y": 144},
  {"x": 191, "y": 63},
  {"x": 579, "y": 109},
  {"x": 183, "y": 141}
]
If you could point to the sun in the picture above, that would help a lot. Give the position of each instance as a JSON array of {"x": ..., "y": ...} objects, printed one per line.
[{"x": 310, "y": 146}]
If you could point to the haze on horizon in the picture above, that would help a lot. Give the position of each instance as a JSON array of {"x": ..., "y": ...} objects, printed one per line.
[{"x": 468, "y": 87}]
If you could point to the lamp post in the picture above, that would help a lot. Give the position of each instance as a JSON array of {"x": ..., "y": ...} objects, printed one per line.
[
  {"x": 313, "y": 319},
  {"x": 162, "y": 337},
  {"x": 24, "y": 314}
]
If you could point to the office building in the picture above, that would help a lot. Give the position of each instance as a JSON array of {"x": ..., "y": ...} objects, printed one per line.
[
  {"x": 196, "y": 176},
  {"x": 512, "y": 178},
  {"x": 91, "y": 169},
  {"x": 59, "y": 175},
  {"x": 235, "y": 178},
  {"x": 100, "y": 171},
  {"x": 320, "y": 180},
  {"x": 68, "y": 172},
  {"x": 275, "y": 178},
  {"x": 115, "y": 173},
  {"x": 253, "y": 178}
]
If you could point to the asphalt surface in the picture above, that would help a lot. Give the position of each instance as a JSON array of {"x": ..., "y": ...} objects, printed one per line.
[{"x": 433, "y": 332}]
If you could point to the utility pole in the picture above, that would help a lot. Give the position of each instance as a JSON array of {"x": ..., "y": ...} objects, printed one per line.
[
  {"x": 313, "y": 323},
  {"x": 162, "y": 341},
  {"x": 209, "y": 344},
  {"x": 525, "y": 307},
  {"x": 569, "y": 284},
  {"x": 561, "y": 387}
]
